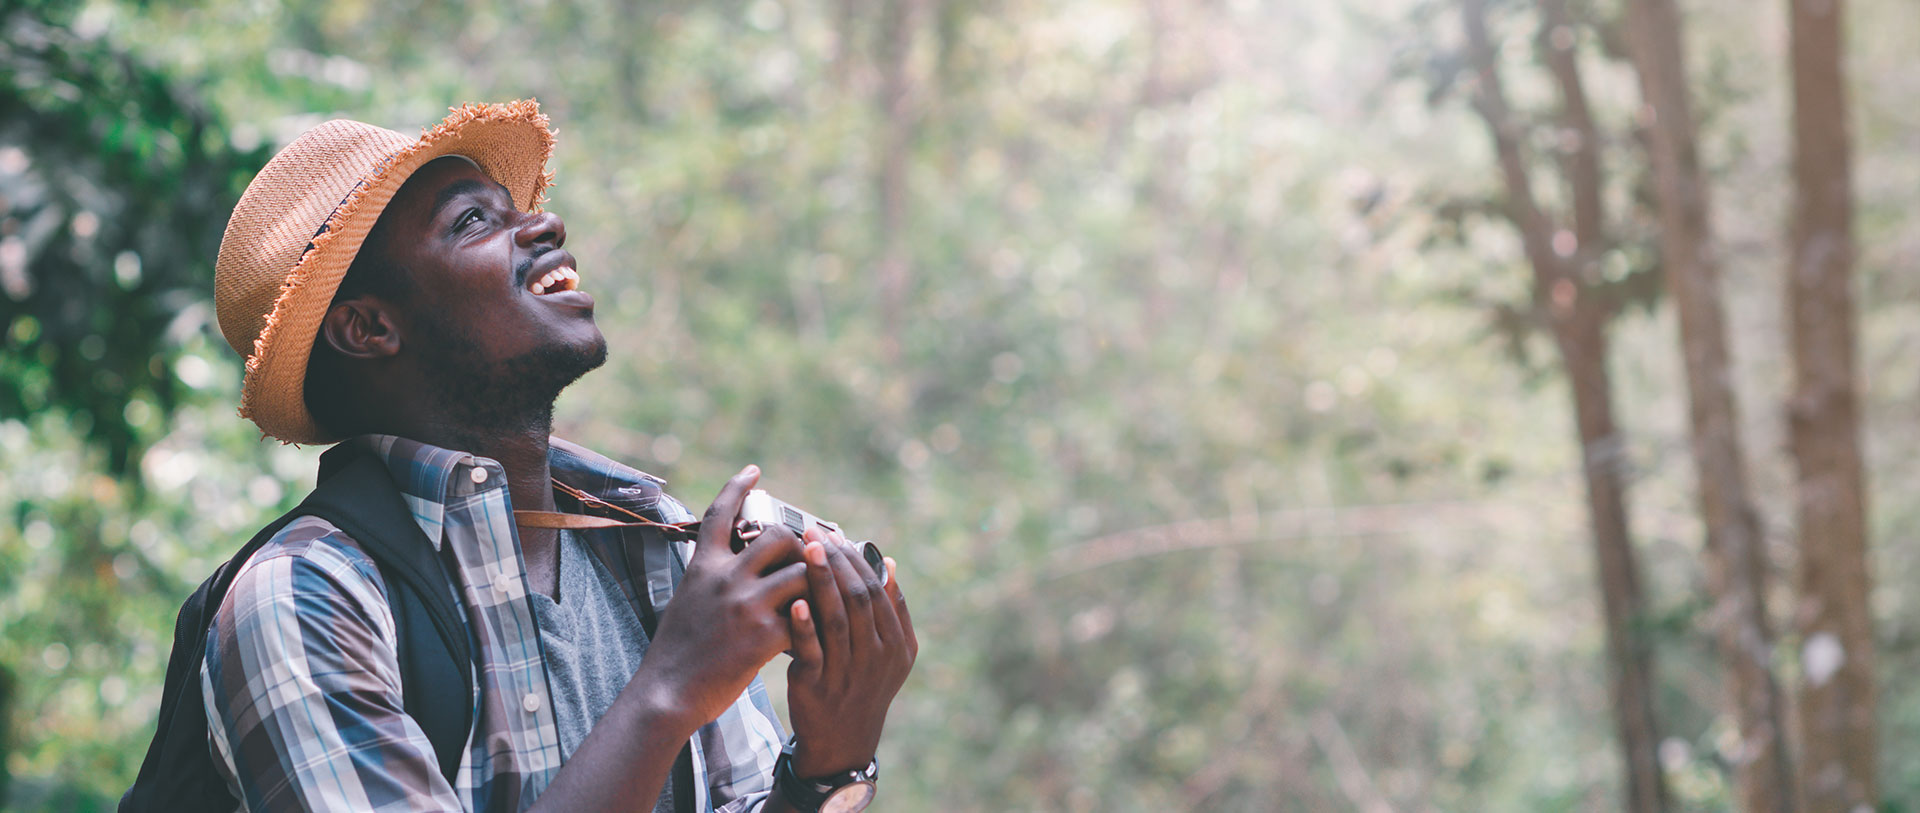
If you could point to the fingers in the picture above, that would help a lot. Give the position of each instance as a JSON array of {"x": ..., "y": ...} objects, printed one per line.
[
  {"x": 716, "y": 527},
  {"x": 886, "y": 623},
  {"x": 828, "y": 606},
  {"x": 782, "y": 586},
  {"x": 808, "y": 657},
  {"x": 900, "y": 609},
  {"x": 854, "y": 590}
]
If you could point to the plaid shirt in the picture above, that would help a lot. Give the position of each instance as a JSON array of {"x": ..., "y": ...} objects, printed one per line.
[{"x": 301, "y": 680}]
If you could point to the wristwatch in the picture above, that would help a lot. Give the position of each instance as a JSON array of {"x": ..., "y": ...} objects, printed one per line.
[{"x": 843, "y": 792}]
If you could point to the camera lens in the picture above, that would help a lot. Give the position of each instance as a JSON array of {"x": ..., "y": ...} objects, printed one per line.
[{"x": 875, "y": 559}]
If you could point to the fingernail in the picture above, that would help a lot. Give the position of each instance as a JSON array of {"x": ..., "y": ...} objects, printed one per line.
[
  {"x": 750, "y": 470},
  {"x": 815, "y": 554},
  {"x": 801, "y": 612}
]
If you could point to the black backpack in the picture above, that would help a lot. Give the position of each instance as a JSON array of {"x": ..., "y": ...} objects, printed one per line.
[{"x": 356, "y": 494}]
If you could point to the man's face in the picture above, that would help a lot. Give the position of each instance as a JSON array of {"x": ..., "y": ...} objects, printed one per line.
[{"x": 472, "y": 315}]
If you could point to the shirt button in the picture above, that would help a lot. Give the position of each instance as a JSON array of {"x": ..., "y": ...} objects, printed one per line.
[
  {"x": 479, "y": 475},
  {"x": 531, "y": 702}
]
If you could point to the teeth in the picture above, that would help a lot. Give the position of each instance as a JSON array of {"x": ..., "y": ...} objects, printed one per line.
[{"x": 559, "y": 279}]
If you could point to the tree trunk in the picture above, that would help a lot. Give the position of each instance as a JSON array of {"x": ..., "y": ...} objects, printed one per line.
[
  {"x": 1736, "y": 565},
  {"x": 1583, "y": 351},
  {"x": 1837, "y": 692},
  {"x": 1165, "y": 175},
  {"x": 1578, "y": 317},
  {"x": 895, "y": 45}
]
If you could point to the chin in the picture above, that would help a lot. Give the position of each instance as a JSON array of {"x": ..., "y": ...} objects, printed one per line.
[
  {"x": 595, "y": 353},
  {"x": 581, "y": 346},
  {"x": 552, "y": 367}
]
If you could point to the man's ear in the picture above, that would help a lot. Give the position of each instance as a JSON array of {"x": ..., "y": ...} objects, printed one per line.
[{"x": 361, "y": 328}]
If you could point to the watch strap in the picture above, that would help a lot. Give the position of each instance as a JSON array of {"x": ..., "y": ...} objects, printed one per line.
[{"x": 807, "y": 794}]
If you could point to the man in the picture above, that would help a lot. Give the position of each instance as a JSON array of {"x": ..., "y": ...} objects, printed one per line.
[{"x": 407, "y": 298}]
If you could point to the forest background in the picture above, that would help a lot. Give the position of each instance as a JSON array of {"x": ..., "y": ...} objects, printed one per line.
[{"x": 1185, "y": 354}]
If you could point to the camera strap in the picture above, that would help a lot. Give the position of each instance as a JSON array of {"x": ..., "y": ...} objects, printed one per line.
[{"x": 679, "y": 532}]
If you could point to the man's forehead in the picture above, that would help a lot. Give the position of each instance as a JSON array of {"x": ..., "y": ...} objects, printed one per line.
[{"x": 445, "y": 179}]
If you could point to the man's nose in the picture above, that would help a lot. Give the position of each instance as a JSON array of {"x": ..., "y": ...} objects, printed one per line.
[{"x": 544, "y": 227}]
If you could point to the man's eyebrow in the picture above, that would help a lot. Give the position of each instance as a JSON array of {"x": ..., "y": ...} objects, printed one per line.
[{"x": 464, "y": 186}]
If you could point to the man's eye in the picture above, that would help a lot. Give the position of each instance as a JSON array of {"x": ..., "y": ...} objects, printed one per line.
[{"x": 467, "y": 218}]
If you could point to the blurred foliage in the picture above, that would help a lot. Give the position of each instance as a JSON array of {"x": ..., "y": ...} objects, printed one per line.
[
  {"x": 1209, "y": 484},
  {"x": 117, "y": 185}
]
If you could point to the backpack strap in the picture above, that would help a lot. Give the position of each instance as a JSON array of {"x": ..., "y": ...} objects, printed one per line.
[
  {"x": 357, "y": 495},
  {"x": 433, "y": 645}
]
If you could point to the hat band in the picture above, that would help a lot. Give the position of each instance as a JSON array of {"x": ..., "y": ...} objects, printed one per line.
[{"x": 377, "y": 169}]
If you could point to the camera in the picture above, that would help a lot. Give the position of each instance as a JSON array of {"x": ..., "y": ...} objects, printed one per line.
[{"x": 762, "y": 510}]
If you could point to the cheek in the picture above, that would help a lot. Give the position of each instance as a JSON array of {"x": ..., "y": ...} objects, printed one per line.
[
  {"x": 477, "y": 269},
  {"x": 483, "y": 326}
]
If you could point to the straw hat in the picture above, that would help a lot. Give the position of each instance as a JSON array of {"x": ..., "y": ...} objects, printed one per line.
[{"x": 298, "y": 226}]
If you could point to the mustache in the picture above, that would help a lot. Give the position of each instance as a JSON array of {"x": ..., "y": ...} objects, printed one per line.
[{"x": 521, "y": 271}]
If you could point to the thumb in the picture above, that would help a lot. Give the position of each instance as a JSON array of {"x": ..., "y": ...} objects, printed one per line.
[
  {"x": 716, "y": 526},
  {"x": 807, "y": 655}
]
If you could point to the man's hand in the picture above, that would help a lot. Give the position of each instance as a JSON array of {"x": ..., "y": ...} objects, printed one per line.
[
  {"x": 722, "y": 625},
  {"x": 853, "y": 646},
  {"x": 724, "y": 621}
]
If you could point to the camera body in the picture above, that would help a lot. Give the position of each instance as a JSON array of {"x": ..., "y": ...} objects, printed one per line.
[{"x": 761, "y": 510}]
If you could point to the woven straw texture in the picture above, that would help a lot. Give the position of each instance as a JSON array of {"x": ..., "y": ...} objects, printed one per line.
[{"x": 278, "y": 267}]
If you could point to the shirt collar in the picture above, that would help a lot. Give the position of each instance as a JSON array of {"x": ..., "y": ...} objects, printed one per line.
[
  {"x": 429, "y": 477},
  {"x": 595, "y": 473}
]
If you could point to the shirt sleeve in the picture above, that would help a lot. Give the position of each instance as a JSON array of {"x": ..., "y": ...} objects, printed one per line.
[
  {"x": 302, "y": 685},
  {"x": 740, "y": 748}
]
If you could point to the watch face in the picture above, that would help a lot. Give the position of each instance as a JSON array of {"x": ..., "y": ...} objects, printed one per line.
[{"x": 851, "y": 798}]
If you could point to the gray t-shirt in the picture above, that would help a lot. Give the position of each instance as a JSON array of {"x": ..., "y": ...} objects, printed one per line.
[{"x": 593, "y": 643}]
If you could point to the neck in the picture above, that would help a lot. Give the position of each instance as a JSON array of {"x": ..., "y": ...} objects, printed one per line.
[
  {"x": 449, "y": 397},
  {"x": 521, "y": 449},
  {"x": 502, "y": 417},
  {"x": 482, "y": 421}
]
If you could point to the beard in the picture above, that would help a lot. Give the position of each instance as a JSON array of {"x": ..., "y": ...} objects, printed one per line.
[{"x": 487, "y": 397}]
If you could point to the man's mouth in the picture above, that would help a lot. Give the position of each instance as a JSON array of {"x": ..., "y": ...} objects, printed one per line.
[{"x": 559, "y": 279}]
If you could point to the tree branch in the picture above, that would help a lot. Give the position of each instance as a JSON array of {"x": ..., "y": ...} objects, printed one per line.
[
  {"x": 1581, "y": 162},
  {"x": 1490, "y": 99}
]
